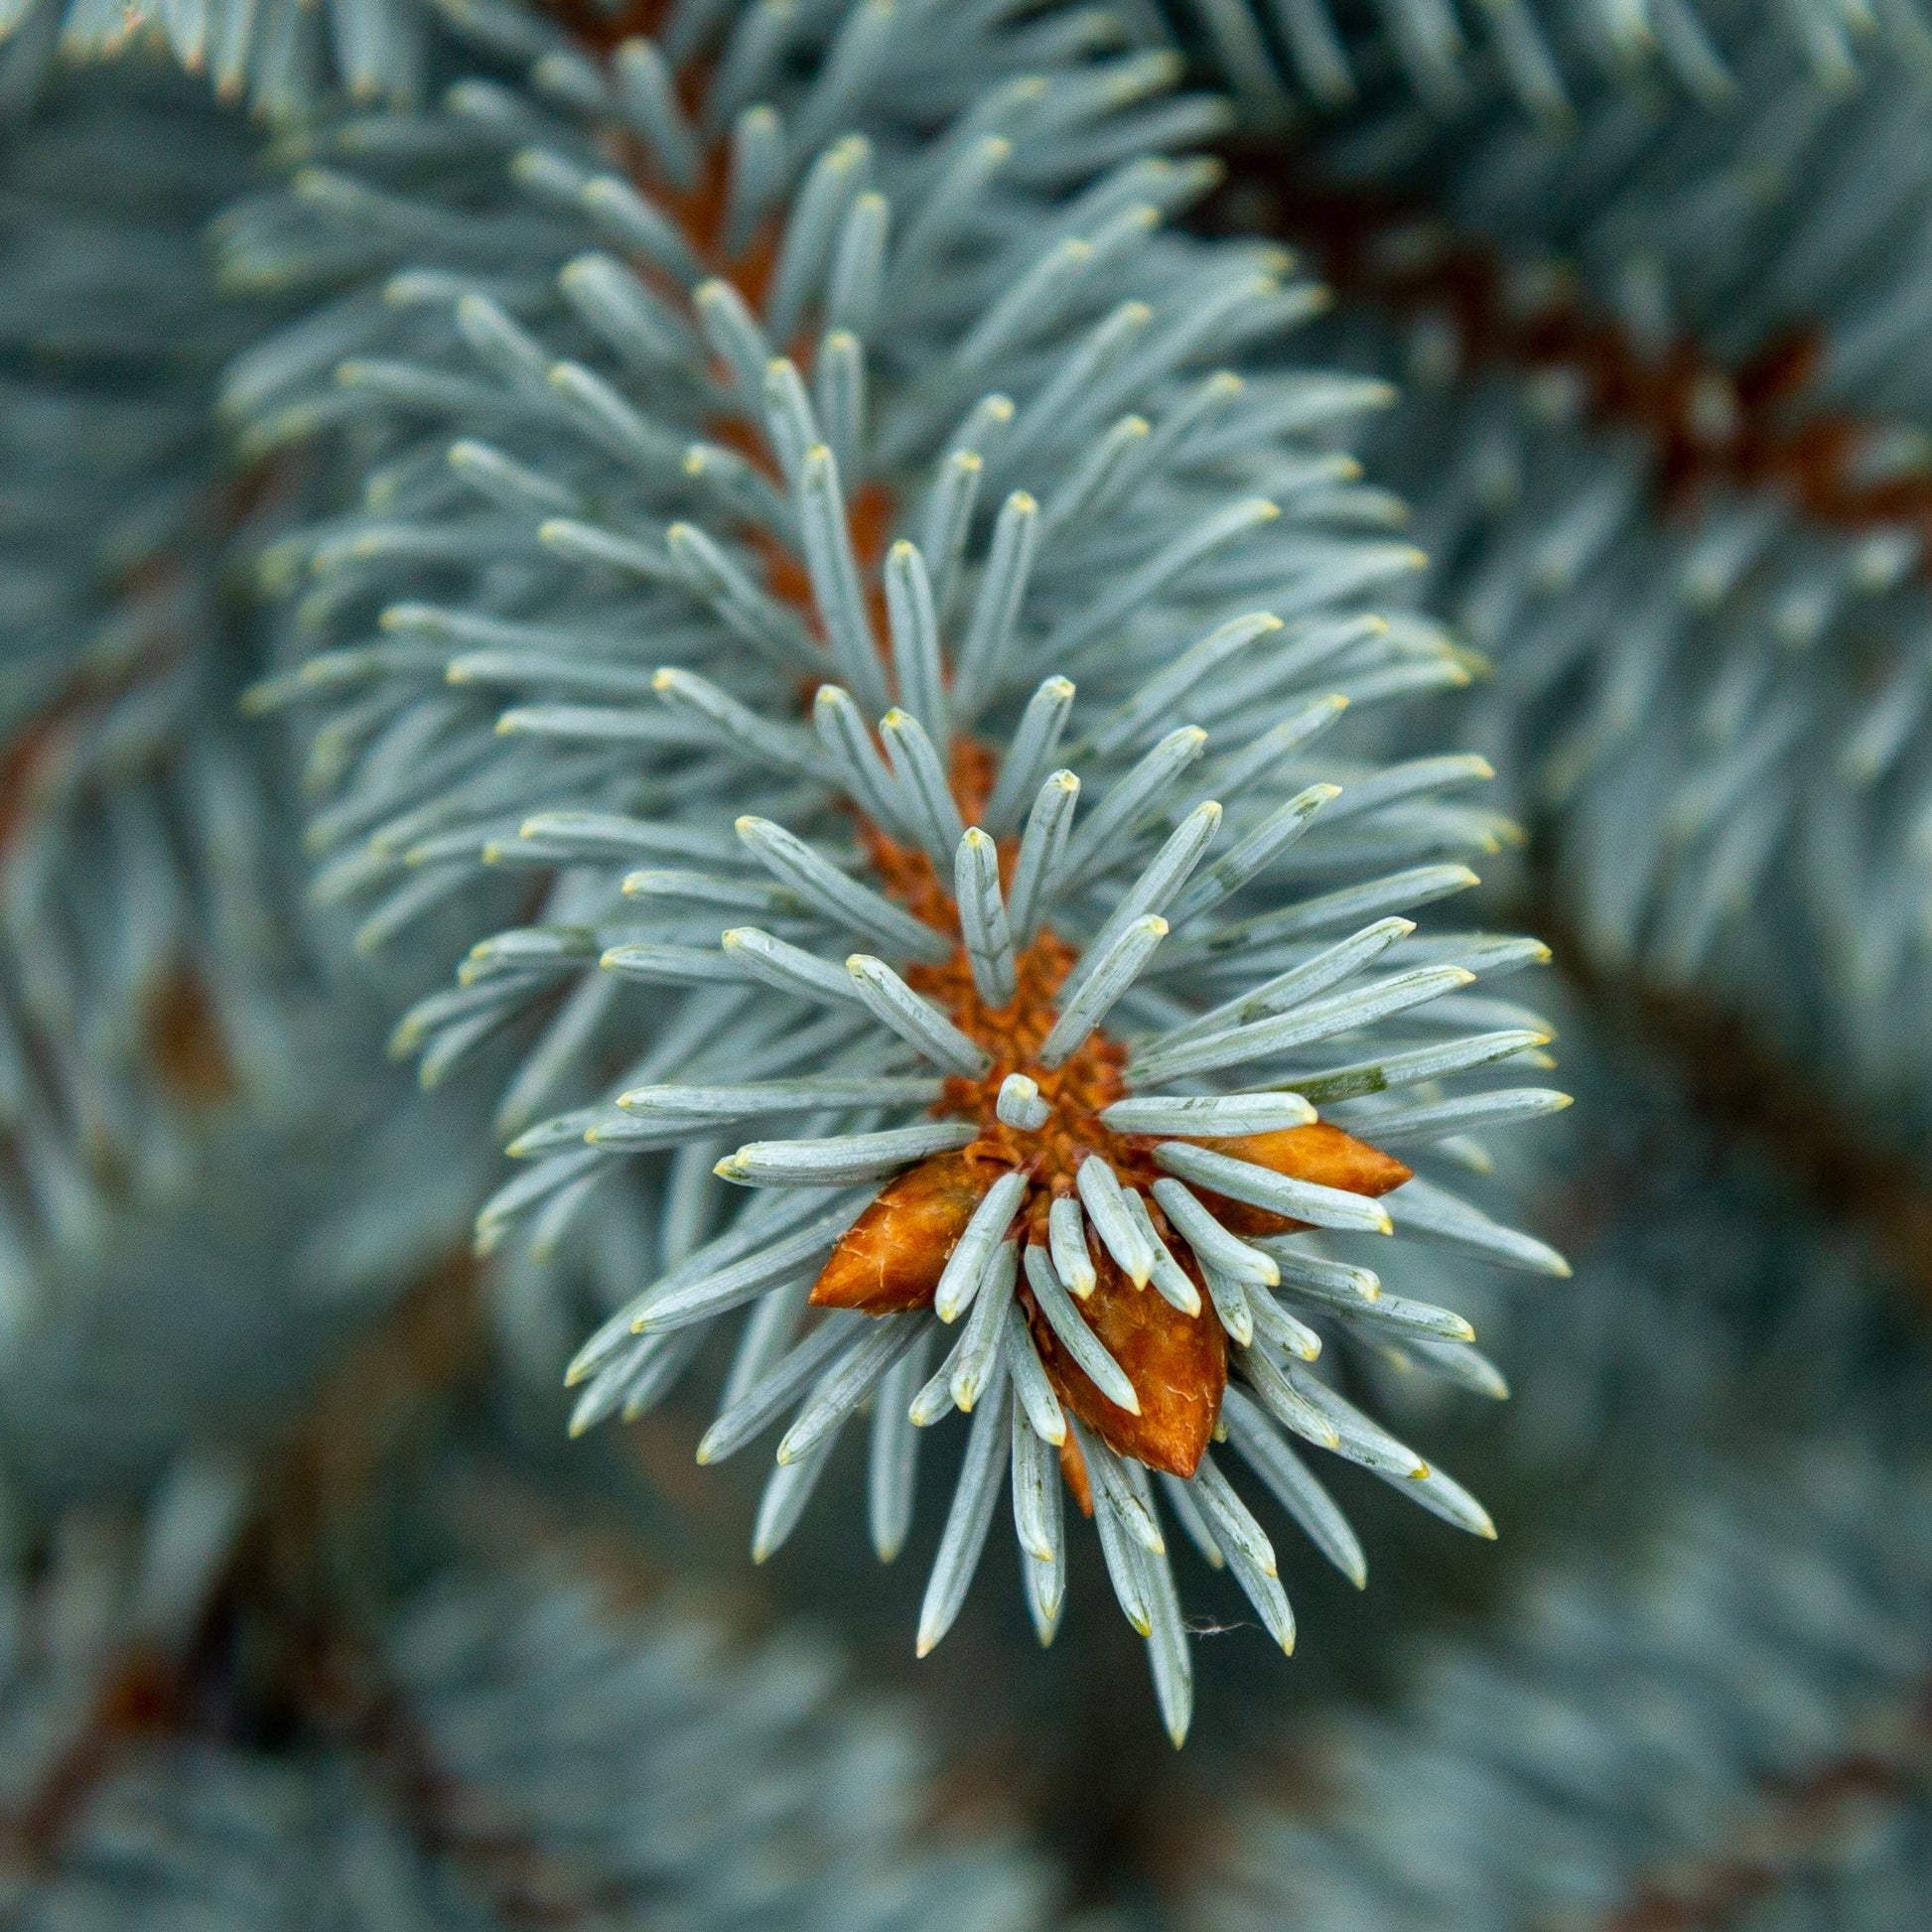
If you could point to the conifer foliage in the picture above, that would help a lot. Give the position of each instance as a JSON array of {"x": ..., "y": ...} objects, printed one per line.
[{"x": 925, "y": 660}]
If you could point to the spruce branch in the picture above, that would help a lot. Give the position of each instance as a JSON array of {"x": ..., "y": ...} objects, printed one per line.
[{"x": 738, "y": 461}]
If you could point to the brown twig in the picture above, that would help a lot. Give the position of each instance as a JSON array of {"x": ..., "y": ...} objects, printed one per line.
[
  {"x": 1845, "y": 1171},
  {"x": 384, "y": 1407},
  {"x": 140, "y": 1698},
  {"x": 1711, "y": 423},
  {"x": 1805, "y": 1816}
]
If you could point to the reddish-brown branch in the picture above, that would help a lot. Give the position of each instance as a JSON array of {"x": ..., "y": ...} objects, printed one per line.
[
  {"x": 1804, "y": 1817},
  {"x": 1734, "y": 1080},
  {"x": 1711, "y": 423},
  {"x": 524, "y": 1881},
  {"x": 140, "y": 1698},
  {"x": 179, "y": 1025},
  {"x": 372, "y": 1416},
  {"x": 602, "y": 29}
]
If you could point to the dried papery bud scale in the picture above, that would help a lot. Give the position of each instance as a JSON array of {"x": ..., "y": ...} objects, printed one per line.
[
  {"x": 994, "y": 758},
  {"x": 1715, "y": 1723},
  {"x": 1702, "y": 1280}
]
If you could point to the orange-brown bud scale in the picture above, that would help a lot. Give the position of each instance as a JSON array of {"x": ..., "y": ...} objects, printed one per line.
[
  {"x": 1091, "y": 1079},
  {"x": 1177, "y": 1365},
  {"x": 1073, "y": 1472},
  {"x": 891, "y": 1257},
  {"x": 1317, "y": 1152}
]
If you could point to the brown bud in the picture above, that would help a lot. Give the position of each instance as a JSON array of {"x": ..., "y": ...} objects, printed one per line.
[
  {"x": 1177, "y": 1365},
  {"x": 1073, "y": 1469},
  {"x": 185, "y": 1043},
  {"x": 891, "y": 1257},
  {"x": 1319, "y": 1153}
]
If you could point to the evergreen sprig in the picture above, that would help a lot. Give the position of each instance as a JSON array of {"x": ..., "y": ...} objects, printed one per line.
[{"x": 935, "y": 561}]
